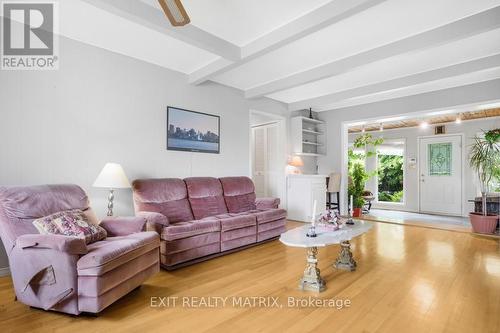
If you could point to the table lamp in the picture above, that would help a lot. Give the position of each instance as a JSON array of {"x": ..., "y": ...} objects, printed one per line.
[
  {"x": 112, "y": 177},
  {"x": 293, "y": 165}
]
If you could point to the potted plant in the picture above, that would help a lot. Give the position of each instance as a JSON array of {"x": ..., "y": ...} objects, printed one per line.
[
  {"x": 357, "y": 172},
  {"x": 357, "y": 187},
  {"x": 484, "y": 159}
]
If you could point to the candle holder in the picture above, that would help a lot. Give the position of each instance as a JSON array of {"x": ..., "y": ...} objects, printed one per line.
[
  {"x": 349, "y": 216},
  {"x": 311, "y": 232}
]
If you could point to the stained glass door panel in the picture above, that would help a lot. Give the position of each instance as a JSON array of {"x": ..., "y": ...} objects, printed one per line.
[{"x": 440, "y": 159}]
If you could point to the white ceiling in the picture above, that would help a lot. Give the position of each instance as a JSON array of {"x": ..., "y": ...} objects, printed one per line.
[
  {"x": 247, "y": 20},
  {"x": 320, "y": 53},
  {"x": 456, "y": 52},
  {"x": 390, "y": 21}
]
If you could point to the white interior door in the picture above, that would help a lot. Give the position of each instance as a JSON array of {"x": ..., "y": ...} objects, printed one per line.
[
  {"x": 266, "y": 166},
  {"x": 440, "y": 176}
]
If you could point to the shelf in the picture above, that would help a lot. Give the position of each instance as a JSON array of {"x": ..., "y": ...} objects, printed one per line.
[
  {"x": 311, "y": 143},
  {"x": 308, "y": 136},
  {"x": 309, "y": 120},
  {"x": 309, "y": 154},
  {"x": 312, "y": 132}
]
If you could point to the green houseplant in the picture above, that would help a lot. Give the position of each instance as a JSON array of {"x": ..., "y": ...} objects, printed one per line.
[
  {"x": 357, "y": 172},
  {"x": 484, "y": 159},
  {"x": 357, "y": 187}
]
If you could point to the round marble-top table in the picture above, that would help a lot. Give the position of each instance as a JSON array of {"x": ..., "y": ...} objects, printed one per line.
[{"x": 297, "y": 238}]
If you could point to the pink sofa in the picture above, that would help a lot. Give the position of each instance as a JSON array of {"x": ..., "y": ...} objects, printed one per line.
[
  {"x": 200, "y": 218},
  {"x": 62, "y": 273}
]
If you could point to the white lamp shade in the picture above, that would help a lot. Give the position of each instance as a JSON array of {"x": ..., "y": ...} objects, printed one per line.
[
  {"x": 296, "y": 162},
  {"x": 112, "y": 176}
]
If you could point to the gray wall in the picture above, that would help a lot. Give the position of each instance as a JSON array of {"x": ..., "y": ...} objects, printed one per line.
[{"x": 63, "y": 126}]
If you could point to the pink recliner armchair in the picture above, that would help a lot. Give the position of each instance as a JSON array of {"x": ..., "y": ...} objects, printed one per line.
[
  {"x": 202, "y": 217},
  {"x": 62, "y": 273}
]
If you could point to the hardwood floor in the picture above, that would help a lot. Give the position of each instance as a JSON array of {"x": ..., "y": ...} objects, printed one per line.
[{"x": 409, "y": 279}]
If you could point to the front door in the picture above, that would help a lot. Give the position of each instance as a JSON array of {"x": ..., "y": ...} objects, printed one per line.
[{"x": 441, "y": 175}]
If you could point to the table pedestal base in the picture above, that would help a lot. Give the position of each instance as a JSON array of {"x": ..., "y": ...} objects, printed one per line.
[
  {"x": 345, "y": 260},
  {"x": 312, "y": 280}
]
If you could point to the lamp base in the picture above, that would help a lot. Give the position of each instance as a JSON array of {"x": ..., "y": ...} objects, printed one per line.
[{"x": 111, "y": 197}]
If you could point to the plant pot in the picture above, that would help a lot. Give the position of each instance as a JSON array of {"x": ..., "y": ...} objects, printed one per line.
[
  {"x": 483, "y": 224},
  {"x": 357, "y": 212}
]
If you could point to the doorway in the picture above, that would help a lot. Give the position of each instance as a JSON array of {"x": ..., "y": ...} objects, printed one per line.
[
  {"x": 265, "y": 170},
  {"x": 440, "y": 175},
  {"x": 268, "y": 154}
]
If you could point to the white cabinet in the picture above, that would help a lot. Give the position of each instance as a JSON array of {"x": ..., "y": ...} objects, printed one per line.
[
  {"x": 308, "y": 136},
  {"x": 302, "y": 190}
]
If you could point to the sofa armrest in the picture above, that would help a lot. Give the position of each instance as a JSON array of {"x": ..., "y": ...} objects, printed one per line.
[
  {"x": 263, "y": 203},
  {"x": 67, "y": 244},
  {"x": 154, "y": 221},
  {"x": 123, "y": 226},
  {"x": 43, "y": 268}
]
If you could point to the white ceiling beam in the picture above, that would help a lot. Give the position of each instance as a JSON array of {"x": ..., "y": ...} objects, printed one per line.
[
  {"x": 475, "y": 65},
  {"x": 201, "y": 75},
  {"x": 469, "y": 26},
  {"x": 141, "y": 13},
  {"x": 476, "y": 93},
  {"x": 316, "y": 20}
]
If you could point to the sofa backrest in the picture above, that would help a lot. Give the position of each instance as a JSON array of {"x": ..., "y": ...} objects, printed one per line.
[
  {"x": 206, "y": 196},
  {"x": 20, "y": 205},
  {"x": 239, "y": 194},
  {"x": 166, "y": 196}
]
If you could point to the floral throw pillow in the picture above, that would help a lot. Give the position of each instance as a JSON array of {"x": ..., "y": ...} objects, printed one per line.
[{"x": 70, "y": 223}]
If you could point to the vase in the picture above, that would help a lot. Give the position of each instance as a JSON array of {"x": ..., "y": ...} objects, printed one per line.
[
  {"x": 357, "y": 212},
  {"x": 483, "y": 224}
]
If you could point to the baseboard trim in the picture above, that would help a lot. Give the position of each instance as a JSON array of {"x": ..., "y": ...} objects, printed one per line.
[{"x": 4, "y": 271}]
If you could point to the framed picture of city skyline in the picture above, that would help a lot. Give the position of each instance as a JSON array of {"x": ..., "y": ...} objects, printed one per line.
[{"x": 192, "y": 131}]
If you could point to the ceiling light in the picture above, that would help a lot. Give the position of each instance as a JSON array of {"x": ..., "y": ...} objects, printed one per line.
[
  {"x": 424, "y": 124},
  {"x": 458, "y": 120}
]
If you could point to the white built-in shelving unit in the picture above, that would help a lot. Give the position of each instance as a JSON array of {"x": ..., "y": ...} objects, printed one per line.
[{"x": 308, "y": 136}]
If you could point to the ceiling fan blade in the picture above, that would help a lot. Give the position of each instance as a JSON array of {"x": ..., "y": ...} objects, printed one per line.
[{"x": 175, "y": 12}]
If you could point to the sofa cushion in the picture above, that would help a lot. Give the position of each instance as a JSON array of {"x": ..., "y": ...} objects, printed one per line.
[
  {"x": 189, "y": 243},
  {"x": 71, "y": 223},
  {"x": 205, "y": 196},
  {"x": 165, "y": 196},
  {"x": 94, "y": 286},
  {"x": 233, "y": 221},
  {"x": 190, "y": 228},
  {"x": 112, "y": 252},
  {"x": 239, "y": 194},
  {"x": 268, "y": 215},
  {"x": 271, "y": 225}
]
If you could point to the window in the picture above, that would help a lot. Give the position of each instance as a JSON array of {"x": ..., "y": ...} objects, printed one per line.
[{"x": 390, "y": 157}]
